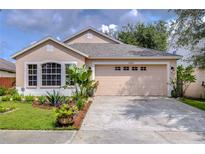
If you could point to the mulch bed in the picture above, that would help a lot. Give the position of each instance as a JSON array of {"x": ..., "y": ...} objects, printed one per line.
[
  {"x": 42, "y": 106},
  {"x": 77, "y": 120},
  {"x": 81, "y": 115}
]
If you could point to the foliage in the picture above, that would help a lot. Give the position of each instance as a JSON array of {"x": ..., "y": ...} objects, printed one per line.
[
  {"x": 80, "y": 103},
  {"x": 64, "y": 99},
  {"x": 2, "y": 91},
  {"x": 200, "y": 104},
  {"x": 152, "y": 36},
  {"x": 184, "y": 78},
  {"x": 54, "y": 98},
  {"x": 81, "y": 76},
  {"x": 6, "y": 98},
  {"x": 29, "y": 98},
  {"x": 11, "y": 91},
  {"x": 42, "y": 99},
  {"x": 176, "y": 91},
  {"x": 6, "y": 109},
  {"x": 17, "y": 97},
  {"x": 65, "y": 111},
  {"x": 189, "y": 29}
]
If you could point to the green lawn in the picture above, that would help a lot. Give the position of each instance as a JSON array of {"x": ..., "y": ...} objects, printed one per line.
[
  {"x": 26, "y": 117},
  {"x": 200, "y": 104}
]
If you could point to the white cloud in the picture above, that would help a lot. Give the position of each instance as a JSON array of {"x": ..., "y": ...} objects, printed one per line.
[
  {"x": 133, "y": 12},
  {"x": 104, "y": 28},
  {"x": 108, "y": 28},
  {"x": 66, "y": 22},
  {"x": 113, "y": 27},
  {"x": 58, "y": 38},
  {"x": 132, "y": 16}
]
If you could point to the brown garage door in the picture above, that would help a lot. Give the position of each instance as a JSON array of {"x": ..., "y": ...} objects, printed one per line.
[{"x": 142, "y": 80}]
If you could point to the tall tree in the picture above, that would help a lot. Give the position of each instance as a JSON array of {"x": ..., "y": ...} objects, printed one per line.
[
  {"x": 189, "y": 29},
  {"x": 152, "y": 36}
]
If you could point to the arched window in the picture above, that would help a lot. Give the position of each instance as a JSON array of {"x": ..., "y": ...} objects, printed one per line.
[{"x": 51, "y": 74}]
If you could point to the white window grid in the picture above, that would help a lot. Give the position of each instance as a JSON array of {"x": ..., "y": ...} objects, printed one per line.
[
  {"x": 32, "y": 74},
  {"x": 51, "y": 74}
]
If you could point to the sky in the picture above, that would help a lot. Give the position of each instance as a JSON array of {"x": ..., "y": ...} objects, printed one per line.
[{"x": 21, "y": 28}]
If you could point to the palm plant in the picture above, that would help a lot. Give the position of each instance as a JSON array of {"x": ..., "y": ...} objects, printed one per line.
[{"x": 54, "y": 98}]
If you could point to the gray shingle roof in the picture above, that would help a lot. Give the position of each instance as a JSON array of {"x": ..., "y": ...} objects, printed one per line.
[
  {"x": 7, "y": 65},
  {"x": 116, "y": 50}
]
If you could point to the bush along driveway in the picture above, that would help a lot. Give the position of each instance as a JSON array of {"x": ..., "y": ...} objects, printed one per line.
[{"x": 141, "y": 120}]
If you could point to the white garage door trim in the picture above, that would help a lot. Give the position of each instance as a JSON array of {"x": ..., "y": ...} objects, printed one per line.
[{"x": 169, "y": 88}]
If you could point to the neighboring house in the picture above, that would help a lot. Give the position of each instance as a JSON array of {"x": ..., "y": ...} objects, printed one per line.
[
  {"x": 7, "y": 73},
  {"x": 196, "y": 89},
  {"x": 121, "y": 69}
]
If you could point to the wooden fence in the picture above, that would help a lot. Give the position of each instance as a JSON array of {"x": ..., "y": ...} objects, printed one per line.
[{"x": 7, "y": 82}]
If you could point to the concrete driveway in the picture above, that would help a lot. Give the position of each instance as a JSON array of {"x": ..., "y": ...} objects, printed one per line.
[{"x": 141, "y": 120}]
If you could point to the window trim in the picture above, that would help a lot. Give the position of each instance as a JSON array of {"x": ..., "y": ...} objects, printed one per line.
[
  {"x": 39, "y": 75},
  {"x": 26, "y": 75},
  {"x": 51, "y": 74}
]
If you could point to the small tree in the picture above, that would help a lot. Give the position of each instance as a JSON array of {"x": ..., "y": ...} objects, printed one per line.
[
  {"x": 81, "y": 77},
  {"x": 184, "y": 78},
  {"x": 152, "y": 36}
]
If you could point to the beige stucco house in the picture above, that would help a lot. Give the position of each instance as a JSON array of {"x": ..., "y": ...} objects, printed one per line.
[{"x": 121, "y": 69}]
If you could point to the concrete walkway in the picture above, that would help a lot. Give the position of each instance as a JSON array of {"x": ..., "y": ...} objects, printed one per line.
[
  {"x": 141, "y": 120},
  {"x": 35, "y": 137}
]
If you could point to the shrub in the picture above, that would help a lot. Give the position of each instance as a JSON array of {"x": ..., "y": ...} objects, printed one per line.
[
  {"x": 81, "y": 77},
  {"x": 29, "y": 98},
  {"x": 54, "y": 98},
  {"x": 16, "y": 97},
  {"x": 65, "y": 114},
  {"x": 2, "y": 91},
  {"x": 5, "y": 109},
  {"x": 80, "y": 103},
  {"x": 42, "y": 99},
  {"x": 11, "y": 91},
  {"x": 6, "y": 98},
  {"x": 65, "y": 99}
]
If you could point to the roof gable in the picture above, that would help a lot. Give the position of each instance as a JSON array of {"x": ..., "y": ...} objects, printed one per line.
[
  {"x": 15, "y": 55},
  {"x": 99, "y": 35}
]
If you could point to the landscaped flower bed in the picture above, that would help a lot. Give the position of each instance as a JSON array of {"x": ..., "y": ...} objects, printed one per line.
[
  {"x": 6, "y": 109},
  {"x": 53, "y": 111}
]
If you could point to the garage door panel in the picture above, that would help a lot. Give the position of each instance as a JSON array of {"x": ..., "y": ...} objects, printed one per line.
[{"x": 149, "y": 82}]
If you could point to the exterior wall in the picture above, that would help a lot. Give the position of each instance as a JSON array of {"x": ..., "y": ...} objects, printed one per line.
[
  {"x": 40, "y": 55},
  {"x": 169, "y": 63},
  {"x": 196, "y": 90},
  {"x": 96, "y": 38},
  {"x": 7, "y": 74}
]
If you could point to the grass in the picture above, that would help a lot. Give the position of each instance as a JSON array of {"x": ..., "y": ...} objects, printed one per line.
[
  {"x": 200, "y": 104},
  {"x": 25, "y": 117}
]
